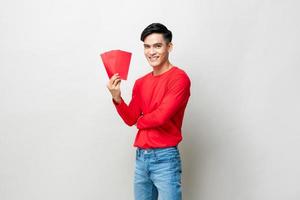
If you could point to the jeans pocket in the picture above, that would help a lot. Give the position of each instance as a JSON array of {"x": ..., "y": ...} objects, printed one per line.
[{"x": 171, "y": 155}]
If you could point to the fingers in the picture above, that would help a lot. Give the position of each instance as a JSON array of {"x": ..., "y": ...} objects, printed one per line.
[
  {"x": 114, "y": 80},
  {"x": 117, "y": 86},
  {"x": 115, "y": 76}
]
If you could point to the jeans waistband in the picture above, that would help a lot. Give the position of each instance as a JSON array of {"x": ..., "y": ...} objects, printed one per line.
[
  {"x": 155, "y": 149},
  {"x": 140, "y": 151}
]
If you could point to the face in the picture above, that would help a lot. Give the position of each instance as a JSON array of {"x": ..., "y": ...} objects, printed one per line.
[{"x": 156, "y": 49}]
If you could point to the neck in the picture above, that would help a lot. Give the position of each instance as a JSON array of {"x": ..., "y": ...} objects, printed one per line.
[{"x": 157, "y": 70}]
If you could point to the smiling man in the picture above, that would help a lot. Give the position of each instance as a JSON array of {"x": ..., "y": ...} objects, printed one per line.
[{"x": 157, "y": 107}]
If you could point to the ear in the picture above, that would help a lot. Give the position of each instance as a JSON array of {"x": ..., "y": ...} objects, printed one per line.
[{"x": 170, "y": 47}]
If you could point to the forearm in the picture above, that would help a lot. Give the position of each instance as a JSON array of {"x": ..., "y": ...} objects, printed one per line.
[
  {"x": 129, "y": 113},
  {"x": 162, "y": 115},
  {"x": 175, "y": 100}
]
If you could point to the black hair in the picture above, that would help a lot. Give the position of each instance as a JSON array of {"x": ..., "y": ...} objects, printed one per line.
[{"x": 157, "y": 28}]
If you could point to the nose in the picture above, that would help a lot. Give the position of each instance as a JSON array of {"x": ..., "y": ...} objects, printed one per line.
[{"x": 152, "y": 51}]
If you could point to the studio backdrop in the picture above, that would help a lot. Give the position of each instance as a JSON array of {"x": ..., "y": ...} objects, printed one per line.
[{"x": 61, "y": 137}]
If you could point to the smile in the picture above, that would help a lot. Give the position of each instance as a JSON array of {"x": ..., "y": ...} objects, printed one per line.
[{"x": 154, "y": 58}]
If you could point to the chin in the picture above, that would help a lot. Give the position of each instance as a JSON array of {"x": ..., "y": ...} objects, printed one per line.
[{"x": 154, "y": 64}]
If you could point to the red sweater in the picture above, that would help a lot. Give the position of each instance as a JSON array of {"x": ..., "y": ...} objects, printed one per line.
[{"x": 157, "y": 108}]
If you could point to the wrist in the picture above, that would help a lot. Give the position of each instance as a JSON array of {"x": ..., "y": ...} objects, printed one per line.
[{"x": 117, "y": 100}]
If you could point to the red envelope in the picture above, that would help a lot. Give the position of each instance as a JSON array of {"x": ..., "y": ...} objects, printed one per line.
[{"x": 116, "y": 61}]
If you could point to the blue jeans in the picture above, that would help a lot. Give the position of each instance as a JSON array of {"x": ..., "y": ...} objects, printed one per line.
[{"x": 157, "y": 174}]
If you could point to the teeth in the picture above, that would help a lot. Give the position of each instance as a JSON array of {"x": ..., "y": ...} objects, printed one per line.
[{"x": 153, "y": 58}]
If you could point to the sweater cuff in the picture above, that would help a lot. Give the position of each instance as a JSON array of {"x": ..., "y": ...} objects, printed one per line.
[
  {"x": 117, "y": 104},
  {"x": 138, "y": 123}
]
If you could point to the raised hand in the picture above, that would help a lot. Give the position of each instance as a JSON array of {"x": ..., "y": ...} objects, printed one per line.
[{"x": 113, "y": 86}]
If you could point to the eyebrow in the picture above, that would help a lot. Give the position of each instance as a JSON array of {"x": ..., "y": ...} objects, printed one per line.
[{"x": 155, "y": 44}]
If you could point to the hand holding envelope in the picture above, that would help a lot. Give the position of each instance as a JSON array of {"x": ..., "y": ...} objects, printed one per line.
[
  {"x": 114, "y": 87},
  {"x": 116, "y": 61}
]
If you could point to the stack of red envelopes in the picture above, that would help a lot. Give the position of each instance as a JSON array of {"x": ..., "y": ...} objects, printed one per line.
[{"x": 116, "y": 61}]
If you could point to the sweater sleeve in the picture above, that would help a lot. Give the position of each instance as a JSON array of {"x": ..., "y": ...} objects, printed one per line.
[
  {"x": 176, "y": 97},
  {"x": 131, "y": 112}
]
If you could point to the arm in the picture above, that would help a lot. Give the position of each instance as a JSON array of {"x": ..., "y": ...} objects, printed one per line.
[
  {"x": 131, "y": 112},
  {"x": 176, "y": 97}
]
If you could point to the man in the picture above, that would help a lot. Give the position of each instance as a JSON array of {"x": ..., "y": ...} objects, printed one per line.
[{"x": 157, "y": 108}]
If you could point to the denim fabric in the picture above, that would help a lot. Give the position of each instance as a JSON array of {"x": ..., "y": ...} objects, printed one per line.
[{"x": 157, "y": 174}]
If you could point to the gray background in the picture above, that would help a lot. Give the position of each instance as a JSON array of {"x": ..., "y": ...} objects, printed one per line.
[{"x": 61, "y": 138}]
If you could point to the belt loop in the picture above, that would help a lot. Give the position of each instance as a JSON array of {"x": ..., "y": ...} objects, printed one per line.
[{"x": 154, "y": 152}]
